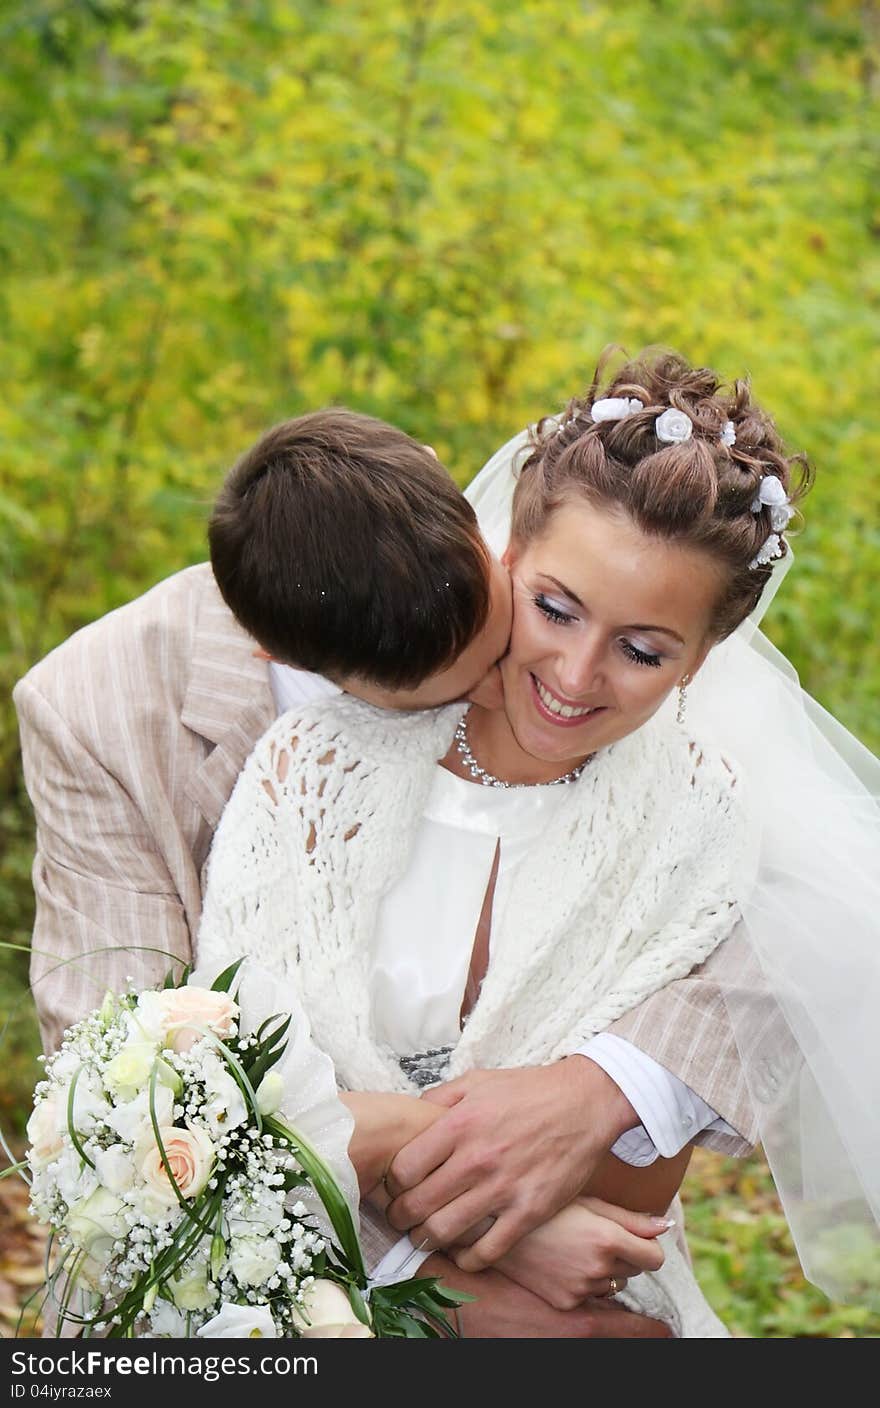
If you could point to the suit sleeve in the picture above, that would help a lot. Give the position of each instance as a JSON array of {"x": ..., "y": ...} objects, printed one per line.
[
  {"x": 106, "y": 907},
  {"x": 686, "y": 1028}
]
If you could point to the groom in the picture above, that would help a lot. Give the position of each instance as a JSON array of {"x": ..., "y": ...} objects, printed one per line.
[{"x": 344, "y": 557}]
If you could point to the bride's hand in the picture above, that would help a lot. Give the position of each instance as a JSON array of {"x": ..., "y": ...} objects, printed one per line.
[
  {"x": 582, "y": 1250},
  {"x": 383, "y": 1124}
]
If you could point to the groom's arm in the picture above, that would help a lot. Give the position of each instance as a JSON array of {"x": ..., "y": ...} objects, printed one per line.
[{"x": 99, "y": 880}]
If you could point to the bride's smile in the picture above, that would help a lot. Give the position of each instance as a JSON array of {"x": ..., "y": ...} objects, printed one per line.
[{"x": 607, "y": 620}]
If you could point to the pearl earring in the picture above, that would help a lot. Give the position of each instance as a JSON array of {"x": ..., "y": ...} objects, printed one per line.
[{"x": 682, "y": 698}]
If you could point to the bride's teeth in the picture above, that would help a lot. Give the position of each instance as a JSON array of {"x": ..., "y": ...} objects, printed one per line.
[{"x": 565, "y": 711}]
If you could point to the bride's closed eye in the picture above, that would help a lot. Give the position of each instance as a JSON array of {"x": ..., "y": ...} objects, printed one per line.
[
  {"x": 640, "y": 657},
  {"x": 552, "y": 611}
]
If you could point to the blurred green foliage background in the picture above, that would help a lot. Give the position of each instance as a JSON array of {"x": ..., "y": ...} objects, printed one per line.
[{"x": 215, "y": 215}]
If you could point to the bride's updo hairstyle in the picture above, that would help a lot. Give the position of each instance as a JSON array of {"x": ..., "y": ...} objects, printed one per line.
[{"x": 703, "y": 491}]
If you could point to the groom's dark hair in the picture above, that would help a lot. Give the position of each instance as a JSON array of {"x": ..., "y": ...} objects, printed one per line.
[{"x": 343, "y": 546}]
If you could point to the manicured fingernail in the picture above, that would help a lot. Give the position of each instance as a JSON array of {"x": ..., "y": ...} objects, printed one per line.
[{"x": 665, "y": 1222}]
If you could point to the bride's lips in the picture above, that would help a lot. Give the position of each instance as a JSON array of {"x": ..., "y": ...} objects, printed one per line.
[{"x": 559, "y": 720}]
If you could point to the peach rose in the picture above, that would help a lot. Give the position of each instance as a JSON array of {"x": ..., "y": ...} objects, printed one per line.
[
  {"x": 183, "y": 1010},
  {"x": 190, "y": 1154}
]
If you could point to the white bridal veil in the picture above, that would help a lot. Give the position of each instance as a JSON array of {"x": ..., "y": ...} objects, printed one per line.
[{"x": 811, "y": 911}]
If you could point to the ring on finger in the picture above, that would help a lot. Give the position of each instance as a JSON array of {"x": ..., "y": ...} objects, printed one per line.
[{"x": 613, "y": 1287}]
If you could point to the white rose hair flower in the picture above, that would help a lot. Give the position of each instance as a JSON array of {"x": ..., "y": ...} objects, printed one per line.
[
  {"x": 615, "y": 408},
  {"x": 771, "y": 494},
  {"x": 673, "y": 427}
]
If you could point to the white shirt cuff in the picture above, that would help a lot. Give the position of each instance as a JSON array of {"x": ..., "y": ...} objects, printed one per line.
[
  {"x": 671, "y": 1114},
  {"x": 400, "y": 1263}
]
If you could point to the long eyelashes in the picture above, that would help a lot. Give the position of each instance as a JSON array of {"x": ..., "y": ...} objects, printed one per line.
[
  {"x": 561, "y": 618},
  {"x": 639, "y": 657}
]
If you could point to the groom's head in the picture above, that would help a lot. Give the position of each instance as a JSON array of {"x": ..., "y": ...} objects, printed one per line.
[{"x": 344, "y": 547}]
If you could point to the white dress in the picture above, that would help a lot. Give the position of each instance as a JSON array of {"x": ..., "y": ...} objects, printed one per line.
[{"x": 421, "y": 948}]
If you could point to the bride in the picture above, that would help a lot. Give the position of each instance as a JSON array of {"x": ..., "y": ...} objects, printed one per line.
[{"x": 566, "y": 857}]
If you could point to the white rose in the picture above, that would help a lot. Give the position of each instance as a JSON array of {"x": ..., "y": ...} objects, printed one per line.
[
  {"x": 262, "y": 1212},
  {"x": 75, "y": 1182},
  {"x": 44, "y": 1134},
  {"x": 185, "y": 1010},
  {"x": 615, "y": 408},
  {"x": 166, "y": 1321},
  {"x": 193, "y": 1292},
  {"x": 771, "y": 491},
  {"x": 254, "y": 1259},
  {"x": 63, "y": 1066},
  {"x": 147, "y": 1020},
  {"x": 270, "y": 1093},
  {"x": 673, "y": 427},
  {"x": 239, "y": 1322},
  {"x": 131, "y": 1120},
  {"x": 224, "y": 1106},
  {"x": 327, "y": 1314},
  {"x": 96, "y": 1223},
  {"x": 190, "y": 1154},
  {"x": 129, "y": 1071},
  {"x": 90, "y": 1104},
  {"x": 115, "y": 1168}
]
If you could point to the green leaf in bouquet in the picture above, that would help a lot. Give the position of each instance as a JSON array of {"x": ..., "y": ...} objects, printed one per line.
[
  {"x": 328, "y": 1191},
  {"x": 218, "y": 1252},
  {"x": 393, "y": 1305},
  {"x": 74, "y": 1137},
  {"x": 185, "y": 1239},
  {"x": 267, "y": 1022},
  {"x": 359, "y": 1305},
  {"x": 223, "y": 981},
  {"x": 265, "y": 1056},
  {"x": 292, "y": 1180},
  {"x": 13, "y": 1168}
]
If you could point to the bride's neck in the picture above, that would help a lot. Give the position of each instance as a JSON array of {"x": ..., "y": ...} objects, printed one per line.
[{"x": 495, "y": 749}]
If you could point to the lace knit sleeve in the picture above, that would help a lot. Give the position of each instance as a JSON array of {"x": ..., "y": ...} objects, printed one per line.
[{"x": 249, "y": 879}]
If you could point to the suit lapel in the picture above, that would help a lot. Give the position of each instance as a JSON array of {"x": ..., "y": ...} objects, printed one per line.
[{"x": 228, "y": 701}]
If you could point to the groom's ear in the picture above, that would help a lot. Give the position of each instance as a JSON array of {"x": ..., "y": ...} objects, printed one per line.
[{"x": 510, "y": 554}]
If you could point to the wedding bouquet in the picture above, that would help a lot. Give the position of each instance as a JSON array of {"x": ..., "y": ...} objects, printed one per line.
[{"x": 181, "y": 1199}]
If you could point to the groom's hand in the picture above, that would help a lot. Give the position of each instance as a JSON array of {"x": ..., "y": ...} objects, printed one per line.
[
  {"x": 514, "y": 1146},
  {"x": 502, "y": 1310}
]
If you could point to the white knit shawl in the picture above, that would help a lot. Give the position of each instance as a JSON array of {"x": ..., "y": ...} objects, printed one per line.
[{"x": 631, "y": 887}]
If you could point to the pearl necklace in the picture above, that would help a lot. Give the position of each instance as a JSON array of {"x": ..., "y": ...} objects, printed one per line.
[{"x": 488, "y": 780}]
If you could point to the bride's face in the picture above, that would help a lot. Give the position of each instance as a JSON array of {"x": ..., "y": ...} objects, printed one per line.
[{"x": 606, "y": 621}]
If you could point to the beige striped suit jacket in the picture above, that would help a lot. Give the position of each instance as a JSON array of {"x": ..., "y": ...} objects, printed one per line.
[{"x": 133, "y": 733}]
